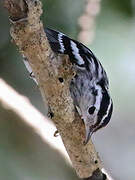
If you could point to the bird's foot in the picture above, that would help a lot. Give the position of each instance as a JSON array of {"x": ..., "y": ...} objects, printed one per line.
[{"x": 56, "y": 133}]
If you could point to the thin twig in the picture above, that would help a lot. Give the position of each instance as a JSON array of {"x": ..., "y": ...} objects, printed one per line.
[{"x": 31, "y": 40}]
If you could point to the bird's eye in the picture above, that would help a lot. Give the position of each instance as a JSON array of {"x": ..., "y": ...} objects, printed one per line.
[{"x": 91, "y": 109}]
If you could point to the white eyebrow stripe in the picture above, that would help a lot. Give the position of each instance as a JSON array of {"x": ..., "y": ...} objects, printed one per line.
[
  {"x": 110, "y": 103},
  {"x": 98, "y": 97},
  {"x": 60, "y": 39},
  {"x": 76, "y": 53}
]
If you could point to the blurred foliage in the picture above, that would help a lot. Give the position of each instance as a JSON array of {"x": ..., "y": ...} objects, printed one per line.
[{"x": 114, "y": 46}]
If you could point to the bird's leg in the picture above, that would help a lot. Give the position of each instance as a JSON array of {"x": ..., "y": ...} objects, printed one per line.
[
  {"x": 32, "y": 75},
  {"x": 50, "y": 114},
  {"x": 56, "y": 133}
]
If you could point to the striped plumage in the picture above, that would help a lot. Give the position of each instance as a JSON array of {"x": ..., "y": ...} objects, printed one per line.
[{"x": 89, "y": 88}]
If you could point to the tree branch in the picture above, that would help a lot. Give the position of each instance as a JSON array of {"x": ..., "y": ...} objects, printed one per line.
[{"x": 29, "y": 36}]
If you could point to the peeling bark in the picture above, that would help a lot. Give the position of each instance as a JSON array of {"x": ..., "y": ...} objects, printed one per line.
[{"x": 28, "y": 34}]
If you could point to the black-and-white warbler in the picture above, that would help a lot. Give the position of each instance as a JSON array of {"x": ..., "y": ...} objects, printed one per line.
[{"x": 89, "y": 87}]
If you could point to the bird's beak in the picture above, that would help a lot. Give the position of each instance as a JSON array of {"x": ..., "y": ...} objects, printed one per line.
[{"x": 88, "y": 133}]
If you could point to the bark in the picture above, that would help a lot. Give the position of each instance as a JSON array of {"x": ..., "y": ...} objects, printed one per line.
[{"x": 49, "y": 69}]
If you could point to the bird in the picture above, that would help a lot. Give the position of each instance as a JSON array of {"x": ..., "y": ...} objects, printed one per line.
[{"x": 89, "y": 88}]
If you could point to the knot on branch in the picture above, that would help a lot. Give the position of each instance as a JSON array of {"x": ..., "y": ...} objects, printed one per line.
[
  {"x": 24, "y": 10},
  {"x": 17, "y": 9}
]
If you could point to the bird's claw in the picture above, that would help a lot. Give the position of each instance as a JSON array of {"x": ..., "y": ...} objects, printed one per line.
[
  {"x": 56, "y": 133},
  {"x": 50, "y": 114}
]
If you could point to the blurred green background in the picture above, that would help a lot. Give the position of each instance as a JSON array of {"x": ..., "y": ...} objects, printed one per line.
[{"x": 114, "y": 46}]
